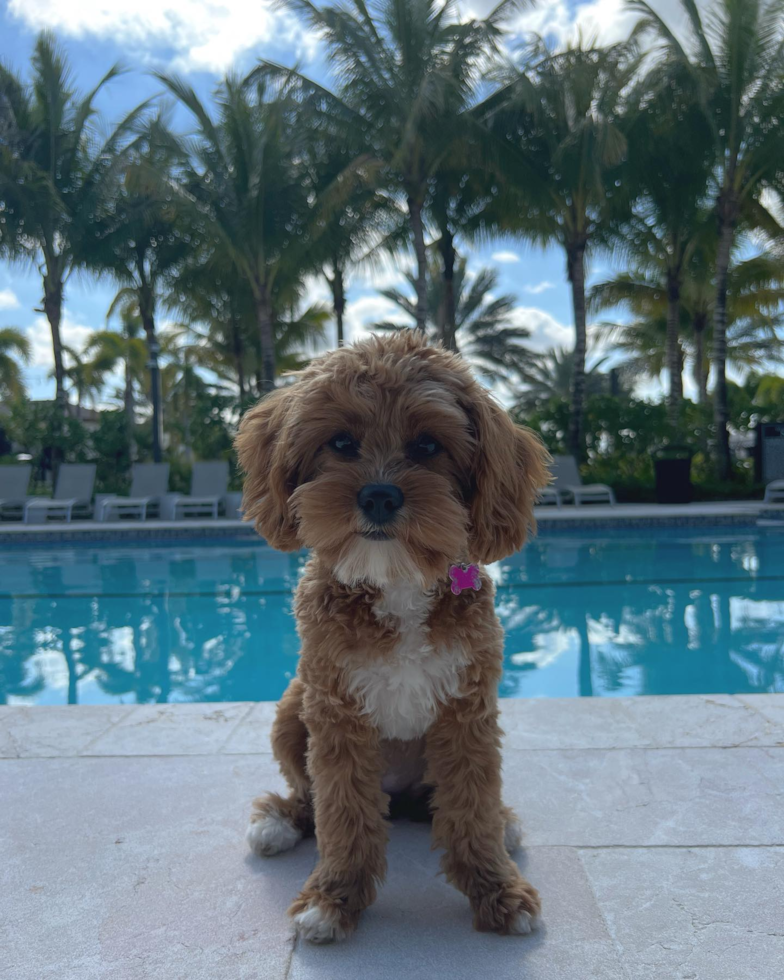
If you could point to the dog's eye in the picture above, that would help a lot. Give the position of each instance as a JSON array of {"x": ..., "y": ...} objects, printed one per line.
[
  {"x": 424, "y": 447},
  {"x": 344, "y": 445}
]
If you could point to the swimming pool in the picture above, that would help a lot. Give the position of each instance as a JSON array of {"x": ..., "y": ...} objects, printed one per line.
[{"x": 672, "y": 610}]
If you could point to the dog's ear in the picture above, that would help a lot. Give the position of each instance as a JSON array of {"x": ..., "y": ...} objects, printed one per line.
[
  {"x": 510, "y": 467},
  {"x": 270, "y": 475}
]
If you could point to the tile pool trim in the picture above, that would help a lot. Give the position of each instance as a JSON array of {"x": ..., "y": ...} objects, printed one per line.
[{"x": 732, "y": 514}]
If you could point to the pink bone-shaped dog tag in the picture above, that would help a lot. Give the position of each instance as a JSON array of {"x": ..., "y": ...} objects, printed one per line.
[{"x": 465, "y": 577}]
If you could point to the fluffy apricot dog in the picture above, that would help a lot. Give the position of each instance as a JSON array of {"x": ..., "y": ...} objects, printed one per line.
[{"x": 403, "y": 477}]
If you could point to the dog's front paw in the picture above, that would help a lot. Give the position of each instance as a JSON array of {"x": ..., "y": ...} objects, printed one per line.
[
  {"x": 319, "y": 920},
  {"x": 513, "y": 910}
]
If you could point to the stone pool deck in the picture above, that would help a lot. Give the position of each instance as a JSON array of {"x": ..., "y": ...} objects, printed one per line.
[{"x": 655, "y": 833}]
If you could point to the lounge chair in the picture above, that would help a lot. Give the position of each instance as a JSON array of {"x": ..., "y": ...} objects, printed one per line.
[
  {"x": 209, "y": 483},
  {"x": 149, "y": 482},
  {"x": 232, "y": 504},
  {"x": 14, "y": 481},
  {"x": 567, "y": 484},
  {"x": 550, "y": 495},
  {"x": 74, "y": 491},
  {"x": 774, "y": 492}
]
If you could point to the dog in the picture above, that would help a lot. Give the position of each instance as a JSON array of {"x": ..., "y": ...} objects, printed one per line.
[{"x": 403, "y": 477}]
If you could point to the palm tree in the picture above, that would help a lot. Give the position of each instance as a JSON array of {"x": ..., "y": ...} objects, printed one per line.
[
  {"x": 352, "y": 221},
  {"x": 298, "y": 334},
  {"x": 461, "y": 207},
  {"x": 141, "y": 240},
  {"x": 82, "y": 377},
  {"x": 755, "y": 310},
  {"x": 14, "y": 348},
  {"x": 55, "y": 171},
  {"x": 365, "y": 227},
  {"x": 182, "y": 384},
  {"x": 643, "y": 341},
  {"x": 126, "y": 348},
  {"x": 754, "y": 316},
  {"x": 218, "y": 317},
  {"x": 407, "y": 70},
  {"x": 548, "y": 377},
  {"x": 247, "y": 184},
  {"x": 738, "y": 63},
  {"x": 666, "y": 177},
  {"x": 485, "y": 334},
  {"x": 755, "y": 292},
  {"x": 217, "y": 305},
  {"x": 559, "y": 141}
]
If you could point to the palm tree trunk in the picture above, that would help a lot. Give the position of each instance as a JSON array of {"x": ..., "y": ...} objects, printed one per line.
[
  {"x": 673, "y": 354},
  {"x": 186, "y": 427},
  {"x": 576, "y": 270},
  {"x": 338, "y": 300},
  {"x": 700, "y": 373},
  {"x": 720, "y": 407},
  {"x": 236, "y": 347},
  {"x": 146, "y": 307},
  {"x": 449, "y": 328},
  {"x": 266, "y": 339},
  {"x": 128, "y": 407},
  {"x": 128, "y": 395},
  {"x": 418, "y": 229},
  {"x": 53, "y": 308}
]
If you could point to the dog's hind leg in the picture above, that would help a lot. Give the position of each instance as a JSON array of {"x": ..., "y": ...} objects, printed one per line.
[
  {"x": 277, "y": 822},
  {"x": 513, "y": 830}
]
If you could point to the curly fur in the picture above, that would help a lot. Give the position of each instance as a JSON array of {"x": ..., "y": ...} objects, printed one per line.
[{"x": 396, "y": 689}]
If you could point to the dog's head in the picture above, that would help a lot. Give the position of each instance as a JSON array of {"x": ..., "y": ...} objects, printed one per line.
[{"x": 389, "y": 461}]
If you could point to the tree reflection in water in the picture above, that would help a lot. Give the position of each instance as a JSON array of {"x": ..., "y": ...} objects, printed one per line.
[
  {"x": 676, "y": 611},
  {"x": 172, "y": 623},
  {"x": 673, "y": 611}
]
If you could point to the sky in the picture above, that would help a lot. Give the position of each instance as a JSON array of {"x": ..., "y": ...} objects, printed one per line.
[{"x": 204, "y": 39}]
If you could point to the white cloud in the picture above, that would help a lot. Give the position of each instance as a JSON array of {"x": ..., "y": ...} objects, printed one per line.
[
  {"x": 773, "y": 200},
  {"x": 39, "y": 334},
  {"x": 505, "y": 257},
  {"x": 316, "y": 291},
  {"x": 362, "y": 313},
  {"x": 8, "y": 299},
  {"x": 385, "y": 273},
  {"x": 210, "y": 35},
  {"x": 603, "y": 21},
  {"x": 73, "y": 335},
  {"x": 203, "y": 34},
  {"x": 546, "y": 331},
  {"x": 539, "y": 287}
]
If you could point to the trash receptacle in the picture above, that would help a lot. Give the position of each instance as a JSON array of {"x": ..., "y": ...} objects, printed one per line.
[{"x": 672, "y": 466}]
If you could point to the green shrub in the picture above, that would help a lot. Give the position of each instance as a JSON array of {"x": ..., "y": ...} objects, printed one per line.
[
  {"x": 112, "y": 448},
  {"x": 623, "y": 434},
  {"x": 36, "y": 429},
  {"x": 40, "y": 429}
]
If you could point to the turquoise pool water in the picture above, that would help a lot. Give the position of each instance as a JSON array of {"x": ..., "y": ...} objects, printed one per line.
[{"x": 667, "y": 611}]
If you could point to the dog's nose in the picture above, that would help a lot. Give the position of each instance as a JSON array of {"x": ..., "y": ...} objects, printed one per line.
[{"x": 379, "y": 502}]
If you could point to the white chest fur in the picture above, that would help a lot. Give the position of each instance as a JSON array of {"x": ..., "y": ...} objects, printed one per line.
[{"x": 401, "y": 691}]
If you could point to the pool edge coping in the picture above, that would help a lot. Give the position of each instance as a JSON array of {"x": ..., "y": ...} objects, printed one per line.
[{"x": 633, "y": 516}]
